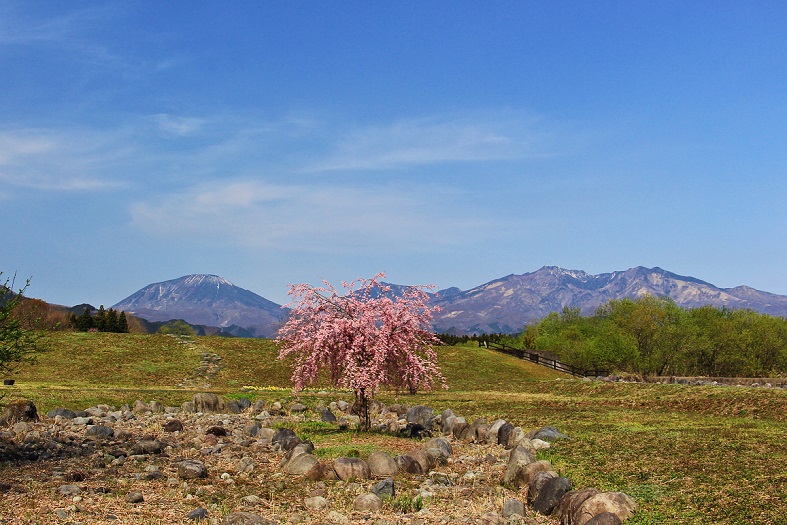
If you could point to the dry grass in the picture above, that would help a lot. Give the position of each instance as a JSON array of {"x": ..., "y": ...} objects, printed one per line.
[{"x": 689, "y": 455}]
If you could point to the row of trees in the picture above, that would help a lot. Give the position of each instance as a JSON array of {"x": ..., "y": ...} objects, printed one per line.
[
  {"x": 655, "y": 336},
  {"x": 104, "y": 321}
]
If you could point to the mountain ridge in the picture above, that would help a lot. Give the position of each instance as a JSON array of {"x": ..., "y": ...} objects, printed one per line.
[{"x": 505, "y": 304}]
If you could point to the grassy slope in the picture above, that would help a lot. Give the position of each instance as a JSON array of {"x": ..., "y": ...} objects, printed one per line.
[{"x": 689, "y": 455}]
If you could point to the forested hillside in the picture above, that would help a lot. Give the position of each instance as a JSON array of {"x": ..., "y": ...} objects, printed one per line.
[{"x": 654, "y": 336}]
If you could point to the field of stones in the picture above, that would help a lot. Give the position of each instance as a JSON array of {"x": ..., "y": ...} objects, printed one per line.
[{"x": 231, "y": 443}]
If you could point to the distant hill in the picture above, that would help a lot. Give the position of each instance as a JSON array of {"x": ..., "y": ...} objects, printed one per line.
[
  {"x": 207, "y": 300},
  {"x": 507, "y": 304},
  {"x": 214, "y": 305}
]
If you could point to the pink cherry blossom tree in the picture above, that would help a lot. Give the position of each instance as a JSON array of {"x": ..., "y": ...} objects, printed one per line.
[{"x": 366, "y": 337}]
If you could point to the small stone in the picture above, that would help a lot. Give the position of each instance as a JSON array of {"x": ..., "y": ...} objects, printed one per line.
[
  {"x": 100, "y": 431},
  {"x": 191, "y": 469},
  {"x": 197, "y": 514},
  {"x": 69, "y": 490},
  {"x": 134, "y": 497},
  {"x": 251, "y": 499},
  {"x": 173, "y": 425},
  {"x": 513, "y": 507},
  {"x": 315, "y": 503},
  {"x": 385, "y": 488}
]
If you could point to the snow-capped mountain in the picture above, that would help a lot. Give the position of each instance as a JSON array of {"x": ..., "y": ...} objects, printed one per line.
[
  {"x": 205, "y": 300},
  {"x": 508, "y": 303}
]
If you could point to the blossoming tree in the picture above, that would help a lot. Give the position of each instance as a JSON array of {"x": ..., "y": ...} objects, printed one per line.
[{"x": 365, "y": 338}]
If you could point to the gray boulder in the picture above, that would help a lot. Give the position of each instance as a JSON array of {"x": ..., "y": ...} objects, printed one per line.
[
  {"x": 569, "y": 504},
  {"x": 420, "y": 415},
  {"x": 300, "y": 464},
  {"x": 191, "y": 469},
  {"x": 617, "y": 503},
  {"x": 382, "y": 465},
  {"x": 208, "y": 402},
  {"x": 605, "y": 518},
  {"x": 513, "y": 507},
  {"x": 351, "y": 468},
  {"x": 385, "y": 488},
  {"x": 100, "y": 431},
  {"x": 518, "y": 458},
  {"x": 367, "y": 503},
  {"x": 62, "y": 412},
  {"x": 550, "y": 494}
]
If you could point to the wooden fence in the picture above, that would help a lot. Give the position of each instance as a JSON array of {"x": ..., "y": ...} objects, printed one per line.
[{"x": 539, "y": 359}]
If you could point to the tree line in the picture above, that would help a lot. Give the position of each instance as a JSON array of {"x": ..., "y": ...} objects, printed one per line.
[
  {"x": 103, "y": 321},
  {"x": 655, "y": 336}
]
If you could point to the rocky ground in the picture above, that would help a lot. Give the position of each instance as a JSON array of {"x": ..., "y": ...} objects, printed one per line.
[{"x": 217, "y": 463}]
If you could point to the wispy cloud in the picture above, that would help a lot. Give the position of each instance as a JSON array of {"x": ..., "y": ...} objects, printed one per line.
[
  {"x": 54, "y": 161},
  {"x": 303, "y": 217},
  {"x": 409, "y": 142},
  {"x": 175, "y": 125}
]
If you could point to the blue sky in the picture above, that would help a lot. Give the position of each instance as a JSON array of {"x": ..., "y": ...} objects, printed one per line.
[{"x": 441, "y": 142}]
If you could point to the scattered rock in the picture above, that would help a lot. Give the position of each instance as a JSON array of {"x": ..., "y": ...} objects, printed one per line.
[
  {"x": 134, "y": 497},
  {"x": 382, "y": 465},
  {"x": 191, "y": 469},
  {"x": 207, "y": 402},
  {"x": 197, "y": 514},
  {"x": 18, "y": 410},
  {"x": 605, "y": 518},
  {"x": 513, "y": 507},
  {"x": 173, "y": 425},
  {"x": 615, "y": 502},
  {"x": 100, "y": 431},
  {"x": 550, "y": 494},
  {"x": 368, "y": 503},
  {"x": 385, "y": 488},
  {"x": 315, "y": 503},
  {"x": 351, "y": 468}
]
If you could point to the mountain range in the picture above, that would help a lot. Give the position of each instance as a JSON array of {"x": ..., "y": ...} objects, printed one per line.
[{"x": 503, "y": 305}]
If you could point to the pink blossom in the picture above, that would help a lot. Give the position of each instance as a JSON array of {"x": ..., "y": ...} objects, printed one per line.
[{"x": 365, "y": 337}]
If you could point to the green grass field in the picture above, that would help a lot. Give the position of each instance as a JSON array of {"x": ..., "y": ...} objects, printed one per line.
[{"x": 688, "y": 455}]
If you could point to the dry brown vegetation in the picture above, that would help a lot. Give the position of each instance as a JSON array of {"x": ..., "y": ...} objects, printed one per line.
[{"x": 689, "y": 455}]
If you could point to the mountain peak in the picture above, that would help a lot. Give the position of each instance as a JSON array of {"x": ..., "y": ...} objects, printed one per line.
[
  {"x": 204, "y": 299},
  {"x": 204, "y": 278}
]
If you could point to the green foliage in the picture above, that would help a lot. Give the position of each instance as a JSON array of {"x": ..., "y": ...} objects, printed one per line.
[
  {"x": 178, "y": 327},
  {"x": 406, "y": 504},
  {"x": 18, "y": 345},
  {"x": 654, "y": 336}
]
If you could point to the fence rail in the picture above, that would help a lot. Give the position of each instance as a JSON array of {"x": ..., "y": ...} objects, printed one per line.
[{"x": 539, "y": 359}]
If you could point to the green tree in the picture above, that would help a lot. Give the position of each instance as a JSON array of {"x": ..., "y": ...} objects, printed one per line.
[
  {"x": 122, "y": 323},
  {"x": 177, "y": 327},
  {"x": 84, "y": 322},
  {"x": 18, "y": 345}
]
